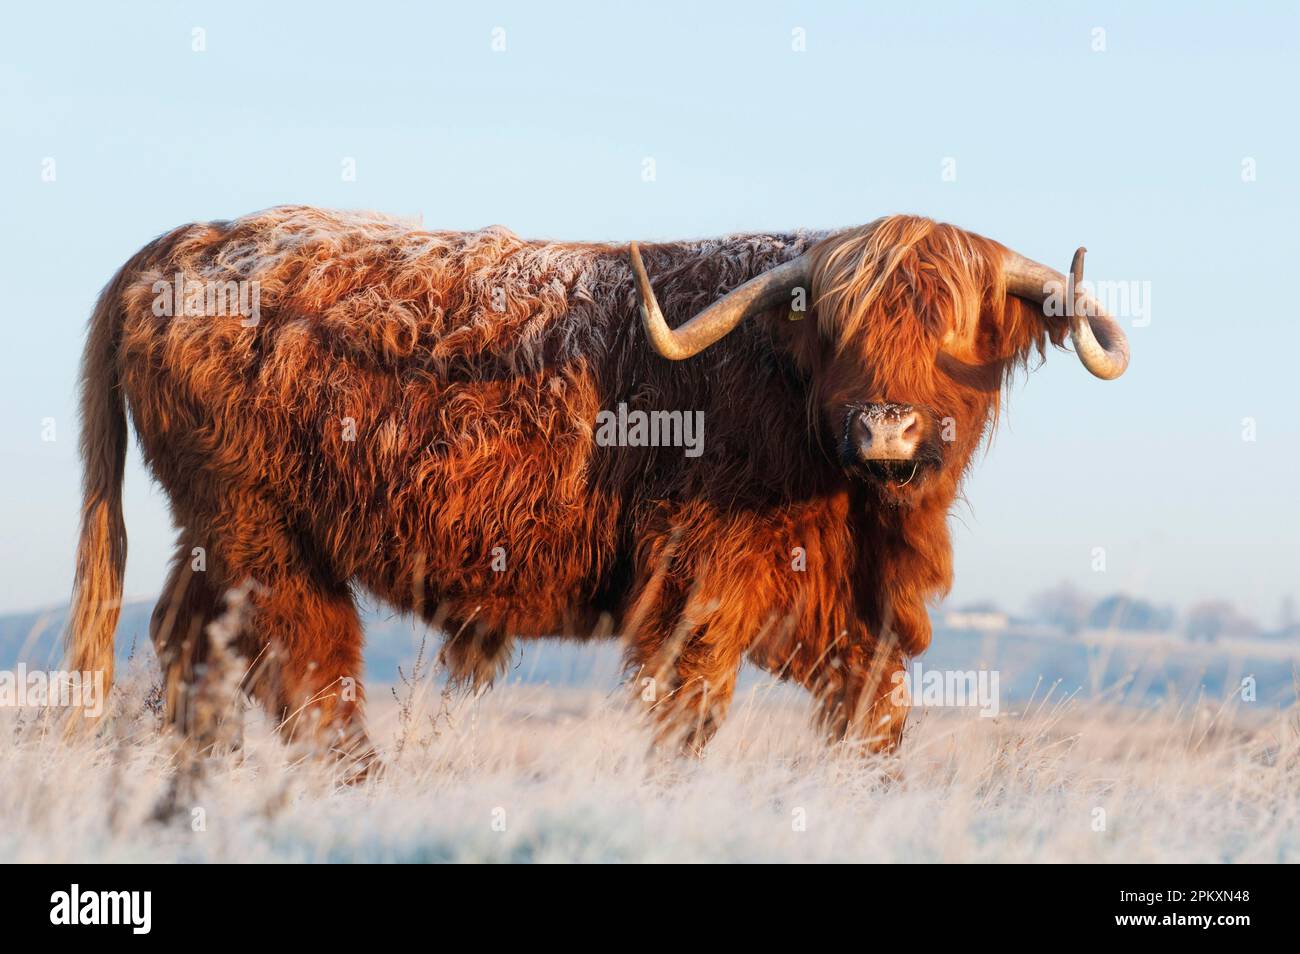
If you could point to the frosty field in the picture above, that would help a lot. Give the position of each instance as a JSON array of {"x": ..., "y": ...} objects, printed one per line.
[{"x": 546, "y": 774}]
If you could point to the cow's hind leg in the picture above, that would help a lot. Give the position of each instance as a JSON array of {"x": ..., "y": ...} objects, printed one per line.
[
  {"x": 178, "y": 628},
  {"x": 295, "y": 645},
  {"x": 310, "y": 636}
]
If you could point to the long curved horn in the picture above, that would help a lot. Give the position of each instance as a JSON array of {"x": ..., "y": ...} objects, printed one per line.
[
  {"x": 763, "y": 291},
  {"x": 1098, "y": 339}
]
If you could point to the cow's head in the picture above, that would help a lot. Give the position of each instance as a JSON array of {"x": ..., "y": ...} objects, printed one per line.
[{"x": 915, "y": 329}]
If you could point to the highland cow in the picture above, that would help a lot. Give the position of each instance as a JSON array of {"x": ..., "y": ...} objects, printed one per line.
[{"x": 414, "y": 415}]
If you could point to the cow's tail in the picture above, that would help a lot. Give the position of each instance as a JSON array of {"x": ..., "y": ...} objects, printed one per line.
[{"x": 101, "y": 549}]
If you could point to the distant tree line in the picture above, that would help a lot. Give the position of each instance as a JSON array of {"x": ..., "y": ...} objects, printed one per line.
[{"x": 1067, "y": 607}]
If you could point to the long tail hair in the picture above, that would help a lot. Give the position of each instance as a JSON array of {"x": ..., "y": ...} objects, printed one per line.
[{"x": 101, "y": 549}]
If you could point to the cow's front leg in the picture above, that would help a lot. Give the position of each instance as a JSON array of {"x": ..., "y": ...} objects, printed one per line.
[
  {"x": 686, "y": 677},
  {"x": 861, "y": 696}
]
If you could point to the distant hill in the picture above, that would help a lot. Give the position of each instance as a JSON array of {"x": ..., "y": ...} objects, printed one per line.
[
  {"x": 35, "y": 638},
  {"x": 1129, "y": 667}
]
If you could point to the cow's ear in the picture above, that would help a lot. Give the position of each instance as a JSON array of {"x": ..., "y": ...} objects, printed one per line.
[
  {"x": 800, "y": 301},
  {"x": 794, "y": 332}
]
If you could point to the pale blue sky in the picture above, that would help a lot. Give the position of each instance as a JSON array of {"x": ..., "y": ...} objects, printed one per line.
[{"x": 1135, "y": 151}]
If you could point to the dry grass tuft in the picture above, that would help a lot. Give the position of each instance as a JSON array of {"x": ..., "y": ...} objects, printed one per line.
[{"x": 539, "y": 774}]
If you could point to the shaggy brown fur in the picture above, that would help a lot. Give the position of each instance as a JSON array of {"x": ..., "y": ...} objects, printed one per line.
[{"x": 415, "y": 407}]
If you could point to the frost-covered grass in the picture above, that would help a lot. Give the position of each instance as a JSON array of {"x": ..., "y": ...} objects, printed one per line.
[{"x": 528, "y": 773}]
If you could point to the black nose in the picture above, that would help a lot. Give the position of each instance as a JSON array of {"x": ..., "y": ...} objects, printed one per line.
[{"x": 886, "y": 432}]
